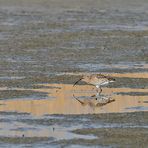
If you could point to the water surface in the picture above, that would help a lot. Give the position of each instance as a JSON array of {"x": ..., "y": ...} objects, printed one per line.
[{"x": 45, "y": 46}]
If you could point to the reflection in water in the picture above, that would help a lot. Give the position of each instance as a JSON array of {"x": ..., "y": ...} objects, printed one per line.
[
  {"x": 95, "y": 101},
  {"x": 62, "y": 101}
]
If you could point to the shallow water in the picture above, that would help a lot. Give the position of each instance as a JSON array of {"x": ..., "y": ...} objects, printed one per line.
[
  {"x": 46, "y": 46},
  {"x": 81, "y": 99}
]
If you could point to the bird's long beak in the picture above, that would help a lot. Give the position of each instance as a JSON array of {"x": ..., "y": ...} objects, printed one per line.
[
  {"x": 112, "y": 80},
  {"x": 77, "y": 82}
]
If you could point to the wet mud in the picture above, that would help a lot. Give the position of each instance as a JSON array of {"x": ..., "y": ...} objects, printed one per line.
[{"x": 46, "y": 46}]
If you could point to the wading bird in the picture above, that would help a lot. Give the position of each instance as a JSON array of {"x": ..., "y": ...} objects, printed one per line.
[{"x": 97, "y": 80}]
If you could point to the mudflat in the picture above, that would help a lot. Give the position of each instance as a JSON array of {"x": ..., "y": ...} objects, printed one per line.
[{"x": 46, "y": 46}]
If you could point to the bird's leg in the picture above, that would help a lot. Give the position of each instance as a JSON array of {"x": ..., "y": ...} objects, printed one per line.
[
  {"x": 100, "y": 90},
  {"x": 98, "y": 93}
]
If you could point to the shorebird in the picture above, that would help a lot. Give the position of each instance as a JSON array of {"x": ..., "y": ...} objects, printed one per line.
[{"x": 96, "y": 79}]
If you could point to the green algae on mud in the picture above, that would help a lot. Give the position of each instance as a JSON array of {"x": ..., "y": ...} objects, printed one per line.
[
  {"x": 62, "y": 41},
  {"x": 114, "y": 137},
  {"x": 18, "y": 94},
  {"x": 41, "y": 39},
  {"x": 133, "y": 119},
  {"x": 30, "y": 82},
  {"x": 126, "y": 129},
  {"x": 24, "y": 140},
  {"x": 113, "y": 129}
]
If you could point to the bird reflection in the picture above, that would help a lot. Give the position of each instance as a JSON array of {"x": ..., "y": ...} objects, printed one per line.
[{"x": 94, "y": 101}]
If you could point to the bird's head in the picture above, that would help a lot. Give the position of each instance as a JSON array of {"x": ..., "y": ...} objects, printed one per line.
[{"x": 111, "y": 79}]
